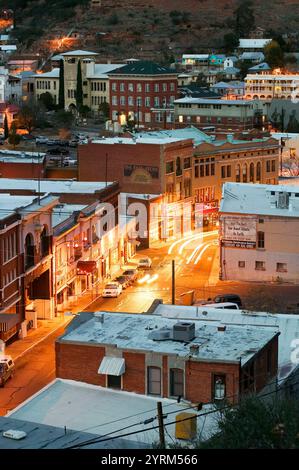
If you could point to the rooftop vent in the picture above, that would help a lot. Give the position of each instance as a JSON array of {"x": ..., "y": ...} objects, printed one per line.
[
  {"x": 161, "y": 335},
  {"x": 221, "y": 328},
  {"x": 14, "y": 434},
  {"x": 184, "y": 331},
  {"x": 194, "y": 349},
  {"x": 99, "y": 317}
]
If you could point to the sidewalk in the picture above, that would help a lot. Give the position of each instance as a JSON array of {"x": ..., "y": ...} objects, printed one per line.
[{"x": 45, "y": 328}]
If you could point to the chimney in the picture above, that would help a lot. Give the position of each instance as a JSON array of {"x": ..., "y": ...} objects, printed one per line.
[{"x": 221, "y": 328}]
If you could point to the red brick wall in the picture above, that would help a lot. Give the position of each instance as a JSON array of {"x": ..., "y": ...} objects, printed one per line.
[
  {"x": 261, "y": 360},
  {"x": 199, "y": 380},
  {"x": 21, "y": 170},
  {"x": 79, "y": 362},
  {"x": 134, "y": 377}
]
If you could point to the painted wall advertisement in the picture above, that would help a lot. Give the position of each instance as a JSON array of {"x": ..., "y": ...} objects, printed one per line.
[{"x": 239, "y": 232}]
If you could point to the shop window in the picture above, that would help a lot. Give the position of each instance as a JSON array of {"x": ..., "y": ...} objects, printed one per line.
[
  {"x": 260, "y": 266},
  {"x": 169, "y": 167}
]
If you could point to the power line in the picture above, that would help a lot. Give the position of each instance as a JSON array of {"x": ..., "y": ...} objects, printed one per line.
[{"x": 218, "y": 410}]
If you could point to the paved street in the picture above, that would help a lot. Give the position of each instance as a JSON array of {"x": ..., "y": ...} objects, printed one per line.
[{"x": 34, "y": 370}]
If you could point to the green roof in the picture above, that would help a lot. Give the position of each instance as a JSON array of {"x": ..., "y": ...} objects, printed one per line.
[{"x": 143, "y": 67}]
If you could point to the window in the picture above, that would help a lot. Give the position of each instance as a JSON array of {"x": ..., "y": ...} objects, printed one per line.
[
  {"x": 139, "y": 87},
  {"x": 114, "y": 381},
  {"x": 219, "y": 387},
  {"x": 273, "y": 165},
  {"x": 281, "y": 267},
  {"x": 156, "y": 101},
  {"x": 196, "y": 171},
  {"x": 147, "y": 87},
  {"x": 122, "y": 87},
  {"x": 241, "y": 264},
  {"x": 139, "y": 101},
  {"x": 114, "y": 88},
  {"x": 157, "y": 88},
  {"x": 245, "y": 173},
  {"x": 187, "y": 162},
  {"x": 169, "y": 167},
  {"x": 228, "y": 171},
  {"x": 122, "y": 100},
  {"x": 164, "y": 87},
  {"x": 172, "y": 87},
  {"x": 268, "y": 166},
  {"x": 261, "y": 239},
  {"x": 176, "y": 383},
  {"x": 223, "y": 172},
  {"x": 147, "y": 101},
  {"x": 258, "y": 171},
  {"x": 251, "y": 173},
  {"x": 238, "y": 173},
  {"x": 260, "y": 266},
  {"x": 178, "y": 167},
  {"x": 130, "y": 101},
  {"x": 154, "y": 381},
  {"x": 114, "y": 100}
]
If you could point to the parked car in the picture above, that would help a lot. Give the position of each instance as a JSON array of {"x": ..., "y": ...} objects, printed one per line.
[
  {"x": 69, "y": 161},
  {"x": 223, "y": 305},
  {"x": 52, "y": 142},
  {"x": 113, "y": 289},
  {"x": 144, "y": 263},
  {"x": 7, "y": 368},
  {"x": 132, "y": 274},
  {"x": 63, "y": 143},
  {"x": 41, "y": 139},
  {"x": 58, "y": 151},
  {"x": 124, "y": 281},
  {"x": 234, "y": 298},
  {"x": 73, "y": 143}
]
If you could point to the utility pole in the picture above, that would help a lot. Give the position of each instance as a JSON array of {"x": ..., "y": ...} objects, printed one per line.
[
  {"x": 106, "y": 169},
  {"x": 173, "y": 283},
  {"x": 161, "y": 425}
]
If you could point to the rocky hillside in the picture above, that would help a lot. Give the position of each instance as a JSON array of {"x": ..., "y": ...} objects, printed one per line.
[{"x": 157, "y": 29}]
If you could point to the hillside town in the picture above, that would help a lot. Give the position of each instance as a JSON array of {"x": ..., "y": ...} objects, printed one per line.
[{"x": 149, "y": 225}]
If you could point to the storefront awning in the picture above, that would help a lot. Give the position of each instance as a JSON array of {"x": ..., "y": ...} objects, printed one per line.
[
  {"x": 86, "y": 267},
  {"x": 112, "y": 366}
]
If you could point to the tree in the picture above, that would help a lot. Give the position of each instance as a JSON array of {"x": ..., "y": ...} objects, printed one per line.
[
  {"x": 274, "y": 55},
  {"x": 201, "y": 80},
  {"x": 293, "y": 124},
  {"x": 27, "y": 117},
  {"x": 6, "y": 130},
  {"x": 104, "y": 109},
  {"x": 231, "y": 42},
  {"x": 14, "y": 138},
  {"x": 64, "y": 119},
  {"x": 79, "y": 89},
  {"x": 257, "y": 424},
  {"x": 244, "y": 19},
  {"x": 47, "y": 100},
  {"x": 61, "y": 101}
]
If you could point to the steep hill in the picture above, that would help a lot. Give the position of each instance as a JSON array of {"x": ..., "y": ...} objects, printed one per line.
[{"x": 157, "y": 29}]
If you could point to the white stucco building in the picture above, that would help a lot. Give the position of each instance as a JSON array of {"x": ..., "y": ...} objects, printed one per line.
[{"x": 259, "y": 233}]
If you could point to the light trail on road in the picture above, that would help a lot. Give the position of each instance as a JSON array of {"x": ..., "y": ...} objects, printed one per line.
[
  {"x": 208, "y": 245},
  {"x": 196, "y": 249},
  {"x": 187, "y": 240}
]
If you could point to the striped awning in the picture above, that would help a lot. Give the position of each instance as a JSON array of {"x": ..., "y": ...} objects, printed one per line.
[{"x": 112, "y": 366}]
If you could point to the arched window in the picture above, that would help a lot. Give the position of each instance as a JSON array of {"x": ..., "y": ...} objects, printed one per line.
[
  {"x": 258, "y": 171},
  {"x": 44, "y": 242},
  {"x": 245, "y": 173},
  {"x": 251, "y": 173},
  {"x": 238, "y": 173},
  {"x": 29, "y": 251}
]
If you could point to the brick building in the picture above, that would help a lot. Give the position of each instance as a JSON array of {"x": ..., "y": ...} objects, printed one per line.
[
  {"x": 16, "y": 164},
  {"x": 25, "y": 260},
  {"x": 152, "y": 355},
  {"x": 143, "y": 92}
]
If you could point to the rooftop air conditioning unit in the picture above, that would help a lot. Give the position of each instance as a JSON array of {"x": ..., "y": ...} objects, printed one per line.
[
  {"x": 184, "y": 331},
  {"x": 161, "y": 335}
]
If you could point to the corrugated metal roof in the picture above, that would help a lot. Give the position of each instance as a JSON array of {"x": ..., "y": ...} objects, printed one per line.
[{"x": 112, "y": 366}]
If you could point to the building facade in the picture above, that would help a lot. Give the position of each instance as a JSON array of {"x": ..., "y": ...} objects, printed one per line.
[
  {"x": 269, "y": 86},
  {"x": 178, "y": 365},
  {"x": 232, "y": 115},
  {"x": 143, "y": 93},
  {"x": 258, "y": 233}
]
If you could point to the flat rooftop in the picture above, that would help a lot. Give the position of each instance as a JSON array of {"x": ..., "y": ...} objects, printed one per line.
[
  {"x": 97, "y": 410},
  {"x": 63, "y": 211},
  {"x": 149, "y": 140},
  {"x": 53, "y": 186},
  {"x": 131, "y": 332},
  {"x": 286, "y": 324},
  {"x": 212, "y": 101},
  {"x": 259, "y": 199},
  {"x": 13, "y": 156},
  {"x": 10, "y": 204}
]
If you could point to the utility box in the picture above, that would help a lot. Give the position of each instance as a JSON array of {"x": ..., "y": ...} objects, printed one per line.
[{"x": 186, "y": 429}]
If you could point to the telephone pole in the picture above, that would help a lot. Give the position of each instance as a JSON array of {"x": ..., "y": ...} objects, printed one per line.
[
  {"x": 173, "y": 283},
  {"x": 161, "y": 425}
]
